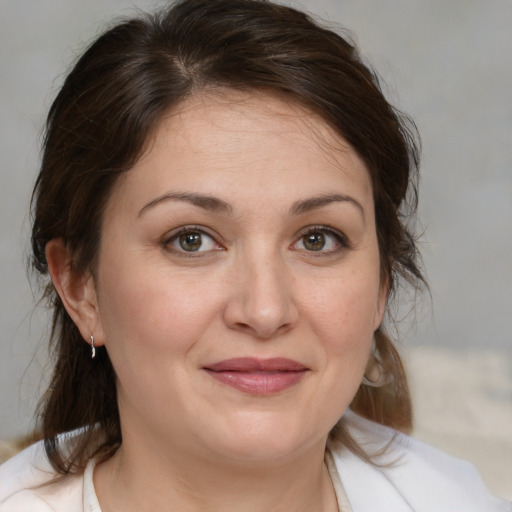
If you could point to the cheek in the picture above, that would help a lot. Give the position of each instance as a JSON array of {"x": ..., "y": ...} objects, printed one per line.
[
  {"x": 343, "y": 325},
  {"x": 145, "y": 307},
  {"x": 343, "y": 318},
  {"x": 152, "y": 324},
  {"x": 344, "y": 312}
]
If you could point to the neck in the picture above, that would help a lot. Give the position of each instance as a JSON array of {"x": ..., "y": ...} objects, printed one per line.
[{"x": 142, "y": 478}]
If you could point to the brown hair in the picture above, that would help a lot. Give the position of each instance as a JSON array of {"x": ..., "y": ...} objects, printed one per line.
[{"x": 97, "y": 128}]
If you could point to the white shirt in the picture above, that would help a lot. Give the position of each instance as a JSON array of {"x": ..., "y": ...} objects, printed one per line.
[{"x": 409, "y": 477}]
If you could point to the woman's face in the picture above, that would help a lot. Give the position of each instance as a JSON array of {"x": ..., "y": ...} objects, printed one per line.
[{"x": 238, "y": 283}]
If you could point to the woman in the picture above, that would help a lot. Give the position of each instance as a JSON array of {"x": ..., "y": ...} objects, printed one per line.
[{"x": 222, "y": 208}]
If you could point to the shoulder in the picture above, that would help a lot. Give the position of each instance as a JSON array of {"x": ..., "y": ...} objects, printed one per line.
[
  {"x": 409, "y": 475},
  {"x": 27, "y": 484}
]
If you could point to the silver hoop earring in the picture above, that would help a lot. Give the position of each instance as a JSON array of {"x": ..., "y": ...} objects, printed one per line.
[
  {"x": 374, "y": 384},
  {"x": 93, "y": 348},
  {"x": 375, "y": 375}
]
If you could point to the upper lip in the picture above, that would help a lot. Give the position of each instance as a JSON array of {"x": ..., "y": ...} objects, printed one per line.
[{"x": 254, "y": 364}]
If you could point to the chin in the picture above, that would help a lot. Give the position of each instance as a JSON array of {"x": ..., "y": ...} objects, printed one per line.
[{"x": 263, "y": 439}]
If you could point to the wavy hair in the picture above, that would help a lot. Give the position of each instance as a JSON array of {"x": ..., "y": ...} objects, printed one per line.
[{"x": 97, "y": 128}]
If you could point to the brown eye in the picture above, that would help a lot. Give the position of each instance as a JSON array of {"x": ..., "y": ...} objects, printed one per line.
[
  {"x": 314, "y": 241},
  {"x": 190, "y": 241},
  {"x": 321, "y": 239}
]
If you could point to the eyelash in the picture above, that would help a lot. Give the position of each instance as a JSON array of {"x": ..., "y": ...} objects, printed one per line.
[
  {"x": 342, "y": 242},
  {"x": 169, "y": 239}
]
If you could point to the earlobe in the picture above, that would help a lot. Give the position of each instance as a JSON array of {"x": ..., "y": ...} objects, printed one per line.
[{"x": 76, "y": 290}]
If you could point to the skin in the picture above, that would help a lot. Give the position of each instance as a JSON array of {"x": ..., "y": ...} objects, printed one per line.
[{"x": 254, "y": 288}]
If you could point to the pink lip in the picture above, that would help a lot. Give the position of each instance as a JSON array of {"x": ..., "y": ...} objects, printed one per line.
[{"x": 258, "y": 376}]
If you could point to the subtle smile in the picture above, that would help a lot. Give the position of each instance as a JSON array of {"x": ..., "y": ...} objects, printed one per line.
[{"x": 258, "y": 376}]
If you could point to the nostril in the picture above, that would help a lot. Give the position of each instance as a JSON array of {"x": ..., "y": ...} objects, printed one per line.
[
  {"x": 263, "y": 332},
  {"x": 261, "y": 304}
]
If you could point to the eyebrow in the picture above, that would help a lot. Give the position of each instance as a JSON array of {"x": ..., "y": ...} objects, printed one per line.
[
  {"x": 312, "y": 203},
  {"x": 216, "y": 205},
  {"x": 210, "y": 203}
]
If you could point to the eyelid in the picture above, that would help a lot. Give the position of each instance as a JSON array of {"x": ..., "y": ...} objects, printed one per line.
[
  {"x": 172, "y": 235},
  {"x": 341, "y": 238}
]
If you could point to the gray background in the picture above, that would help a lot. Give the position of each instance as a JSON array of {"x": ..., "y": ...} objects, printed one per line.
[{"x": 446, "y": 62}]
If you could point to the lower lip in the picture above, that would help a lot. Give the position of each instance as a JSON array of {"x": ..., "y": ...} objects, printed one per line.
[{"x": 259, "y": 383}]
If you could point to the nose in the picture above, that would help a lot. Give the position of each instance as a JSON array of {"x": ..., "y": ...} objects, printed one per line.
[{"x": 262, "y": 300}]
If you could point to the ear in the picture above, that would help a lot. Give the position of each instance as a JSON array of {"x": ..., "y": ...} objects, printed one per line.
[{"x": 76, "y": 290}]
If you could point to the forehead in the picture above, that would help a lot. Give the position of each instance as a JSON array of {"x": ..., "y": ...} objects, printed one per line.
[
  {"x": 216, "y": 143},
  {"x": 239, "y": 117}
]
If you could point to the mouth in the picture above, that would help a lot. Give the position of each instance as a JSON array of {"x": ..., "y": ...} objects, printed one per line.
[{"x": 258, "y": 376}]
